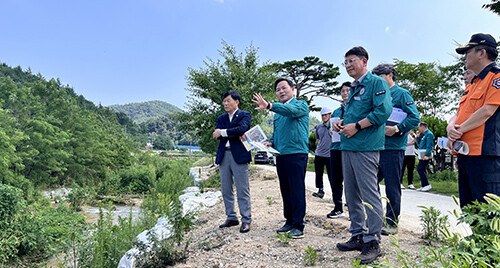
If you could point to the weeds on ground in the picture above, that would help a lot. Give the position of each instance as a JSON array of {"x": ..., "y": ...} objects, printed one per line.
[
  {"x": 284, "y": 238},
  {"x": 432, "y": 222},
  {"x": 212, "y": 242},
  {"x": 481, "y": 249},
  {"x": 310, "y": 256},
  {"x": 105, "y": 244},
  {"x": 269, "y": 200},
  {"x": 212, "y": 182}
]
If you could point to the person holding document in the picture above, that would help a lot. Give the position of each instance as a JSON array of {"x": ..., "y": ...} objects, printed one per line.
[
  {"x": 337, "y": 180},
  {"x": 233, "y": 158},
  {"x": 291, "y": 139},
  {"x": 404, "y": 117},
  {"x": 477, "y": 122}
]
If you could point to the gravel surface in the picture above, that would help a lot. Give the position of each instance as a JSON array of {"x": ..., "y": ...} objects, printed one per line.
[{"x": 213, "y": 247}]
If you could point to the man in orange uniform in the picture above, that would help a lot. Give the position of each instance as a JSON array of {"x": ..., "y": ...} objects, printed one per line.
[{"x": 477, "y": 122}]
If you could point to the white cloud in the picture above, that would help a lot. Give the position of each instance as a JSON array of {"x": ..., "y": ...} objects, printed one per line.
[
  {"x": 220, "y": 1},
  {"x": 387, "y": 29}
]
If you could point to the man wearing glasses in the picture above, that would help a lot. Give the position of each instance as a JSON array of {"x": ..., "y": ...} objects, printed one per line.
[
  {"x": 362, "y": 137},
  {"x": 291, "y": 139},
  {"x": 477, "y": 122}
]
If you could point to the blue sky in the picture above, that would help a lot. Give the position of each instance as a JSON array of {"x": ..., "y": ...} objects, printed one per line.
[{"x": 117, "y": 52}]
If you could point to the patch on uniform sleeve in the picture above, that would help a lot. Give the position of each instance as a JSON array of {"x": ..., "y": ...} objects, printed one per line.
[
  {"x": 380, "y": 93},
  {"x": 496, "y": 83},
  {"x": 409, "y": 103}
]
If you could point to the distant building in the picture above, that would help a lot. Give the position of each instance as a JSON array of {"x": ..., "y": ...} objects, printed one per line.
[{"x": 149, "y": 146}]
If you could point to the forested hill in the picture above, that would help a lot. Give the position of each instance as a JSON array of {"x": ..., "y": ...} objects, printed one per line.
[
  {"x": 50, "y": 135},
  {"x": 143, "y": 111}
]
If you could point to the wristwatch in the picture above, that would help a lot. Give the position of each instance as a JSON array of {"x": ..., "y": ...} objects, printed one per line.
[
  {"x": 358, "y": 126},
  {"x": 397, "y": 129}
]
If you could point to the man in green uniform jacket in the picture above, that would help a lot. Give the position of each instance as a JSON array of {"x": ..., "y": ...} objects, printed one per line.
[
  {"x": 362, "y": 137},
  {"x": 391, "y": 158},
  {"x": 291, "y": 138},
  {"x": 426, "y": 142}
]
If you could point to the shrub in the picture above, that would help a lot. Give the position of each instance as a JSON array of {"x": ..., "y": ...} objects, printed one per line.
[
  {"x": 481, "y": 249},
  {"x": 137, "y": 179},
  {"x": 445, "y": 175},
  {"x": 432, "y": 222},
  {"x": 11, "y": 202},
  {"x": 110, "y": 186},
  {"x": 106, "y": 243},
  {"x": 212, "y": 182},
  {"x": 77, "y": 196},
  {"x": 37, "y": 232}
]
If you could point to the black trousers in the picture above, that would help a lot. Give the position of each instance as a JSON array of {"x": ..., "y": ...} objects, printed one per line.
[
  {"x": 422, "y": 165},
  {"x": 477, "y": 176},
  {"x": 319, "y": 166},
  {"x": 409, "y": 164},
  {"x": 337, "y": 179},
  {"x": 292, "y": 173}
]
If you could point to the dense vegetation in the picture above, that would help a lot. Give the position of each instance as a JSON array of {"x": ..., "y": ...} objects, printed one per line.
[{"x": 50, "y": 136}]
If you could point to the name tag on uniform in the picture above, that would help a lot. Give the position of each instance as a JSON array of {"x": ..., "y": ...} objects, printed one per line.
[{"x": 357, "y": 98}]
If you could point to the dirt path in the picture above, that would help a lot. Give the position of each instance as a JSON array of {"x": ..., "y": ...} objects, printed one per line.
[{"x": 214, "y": 247}]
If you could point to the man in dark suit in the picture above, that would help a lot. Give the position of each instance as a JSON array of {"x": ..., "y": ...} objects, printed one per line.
[{"x": 233, "y": 159}]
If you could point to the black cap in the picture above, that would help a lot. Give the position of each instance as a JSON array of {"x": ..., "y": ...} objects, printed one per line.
[{"x": 476, "y": 40}]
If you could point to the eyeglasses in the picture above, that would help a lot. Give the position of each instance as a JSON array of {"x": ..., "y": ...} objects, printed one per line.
[{"x": 349, "y": 61}]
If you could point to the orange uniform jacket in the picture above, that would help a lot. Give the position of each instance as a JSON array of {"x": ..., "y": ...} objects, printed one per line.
[{"x": 485, "y": 89}]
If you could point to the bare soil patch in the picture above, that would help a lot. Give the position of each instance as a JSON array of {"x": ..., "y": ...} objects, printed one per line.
[{"x": 213, "y": 247}]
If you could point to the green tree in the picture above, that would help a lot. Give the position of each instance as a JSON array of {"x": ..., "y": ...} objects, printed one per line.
[
  {"x": 436, "y": 125},
  {"x": 9, "y": 159},
  {"x": 312, "y": 78},
  {"x": 163, "y": 143},
  {"x": 236, "y": 71},
  {"x": 494, "y": 6},
  {"x": 45, "y": 153},
  {"x": 435, "y": 89}
]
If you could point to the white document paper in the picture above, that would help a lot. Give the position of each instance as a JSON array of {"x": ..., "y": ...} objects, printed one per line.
[
  {"x": 421, "y": 153},
  {"x": 458, "y": 146},
  {"x": 255, "y": 139},
  {"x": 396, "y": 117},
  {"x": 335, "y": 135}
]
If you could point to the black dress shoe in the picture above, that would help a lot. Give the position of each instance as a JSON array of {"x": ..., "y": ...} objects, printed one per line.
[
  {"x": 319, "y": 194},
  {"x": 229, "y": 223},
  {"x": 245, "y": 227}
]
